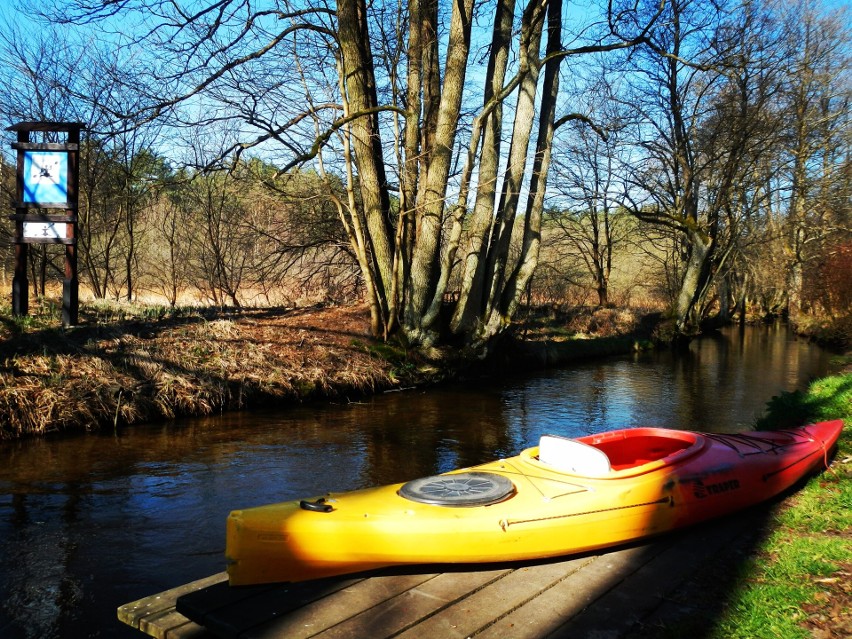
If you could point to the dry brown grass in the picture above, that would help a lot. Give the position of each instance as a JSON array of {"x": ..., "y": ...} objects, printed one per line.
[
  {"x": 127, "y": 364},
  {"x": 588, "y": 322},
  {"x": 124, "y": 372}
]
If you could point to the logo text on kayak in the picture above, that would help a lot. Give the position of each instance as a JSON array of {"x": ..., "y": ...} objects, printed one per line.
[{"x": 703, "y": 490}]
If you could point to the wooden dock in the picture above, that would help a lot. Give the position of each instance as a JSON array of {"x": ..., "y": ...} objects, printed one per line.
[{"x": 610, "y": 595}]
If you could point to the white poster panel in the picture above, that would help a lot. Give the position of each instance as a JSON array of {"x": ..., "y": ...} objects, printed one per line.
[{"x": 45, "y": 230}]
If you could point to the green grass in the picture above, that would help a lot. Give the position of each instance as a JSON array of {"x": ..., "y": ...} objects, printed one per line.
[
  {"x": 827, "y": 398},
  {"x": 779, "y": 584}
]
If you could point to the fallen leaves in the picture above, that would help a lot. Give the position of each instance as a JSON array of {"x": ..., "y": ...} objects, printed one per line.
[{"x": 829, "y": 616}]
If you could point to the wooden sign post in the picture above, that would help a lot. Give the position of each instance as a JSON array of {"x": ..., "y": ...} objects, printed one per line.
[{"x": 46, "y": 206}]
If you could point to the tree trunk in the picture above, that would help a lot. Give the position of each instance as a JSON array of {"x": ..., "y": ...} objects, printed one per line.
[
  {"x": 504, "y": 224},
  {"x": 353, "y": 37},
  {"x": 522, "y": 275},
  {"x": 470, "y": 306},
  {"x": 424, "y": 301},
  {"x": 694, "y": 280}
]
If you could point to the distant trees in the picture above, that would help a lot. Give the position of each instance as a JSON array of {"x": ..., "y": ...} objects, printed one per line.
[
  {"x": 225, "y": 237},
  {"x": 800, "y": 190},
  {"x": 119, "y": 185},
  {"x": 814, "y": 153},
  {"x": 723, "y": 108},
  {"x": 246, "y": 233},
  {"x": 589, "y": 183},
  {"x": 698, "y": 107}
]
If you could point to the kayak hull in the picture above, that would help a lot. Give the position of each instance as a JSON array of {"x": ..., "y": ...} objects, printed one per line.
[{"x": 658, "y": 480}]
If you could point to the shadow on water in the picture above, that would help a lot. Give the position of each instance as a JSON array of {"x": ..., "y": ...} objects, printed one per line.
[{"x": 90, "y": 522}]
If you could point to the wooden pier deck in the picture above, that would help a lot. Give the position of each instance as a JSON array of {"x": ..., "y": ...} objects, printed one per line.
[{"x": 624, "y": 593}]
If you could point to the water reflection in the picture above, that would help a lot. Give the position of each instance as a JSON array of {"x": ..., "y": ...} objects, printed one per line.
[{"x": 90, "y": 522}]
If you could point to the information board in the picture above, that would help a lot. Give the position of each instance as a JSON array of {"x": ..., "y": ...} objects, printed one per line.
[{"x": 45, "y": 177}]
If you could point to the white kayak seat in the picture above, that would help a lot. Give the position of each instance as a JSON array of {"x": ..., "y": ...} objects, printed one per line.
[{"x": 572, "y": 456}]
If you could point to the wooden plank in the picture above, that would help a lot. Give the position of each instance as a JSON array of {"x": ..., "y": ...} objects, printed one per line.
[
  {"x": 339, "y": 607},
  {"x": 397, "y": 613},
  {"x": 157, "y": 617},
  {"x": 170, "y": 624},
  {"x": 301, "y": 609},
  {"x": 613, "y": 613},
  {"x": 699, "y": 597},
  {"x": 197, "y": 605},
  {"x": 451, "y": 604},
  {"x": 229, "y": 612},
  {"x": 638, "y": 596},
  {"x": 551, "y": 608},
  {"x": 477, "y": 611}
]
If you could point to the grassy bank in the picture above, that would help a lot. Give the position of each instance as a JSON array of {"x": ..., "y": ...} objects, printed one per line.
[
  {"x": 796, "y": 582},
  {"x": 126, "y": 364},
  {"x": 800, "y": 583}
]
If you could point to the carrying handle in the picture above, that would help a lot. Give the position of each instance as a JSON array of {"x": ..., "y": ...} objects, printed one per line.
[{"x": 318, "y": 506}]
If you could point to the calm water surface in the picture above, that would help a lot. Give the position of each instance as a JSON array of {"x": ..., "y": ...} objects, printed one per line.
[{"x": 90, "y": 522}]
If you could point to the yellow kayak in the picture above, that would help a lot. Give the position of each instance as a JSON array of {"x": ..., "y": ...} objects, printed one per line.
[{"x": 563, "y": 496}]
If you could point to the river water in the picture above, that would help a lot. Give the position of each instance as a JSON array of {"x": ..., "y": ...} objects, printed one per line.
[{"x": 89, "y": 522}]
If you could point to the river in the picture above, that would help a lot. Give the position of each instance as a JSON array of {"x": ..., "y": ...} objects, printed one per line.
[{"x": 89, "y": 522}]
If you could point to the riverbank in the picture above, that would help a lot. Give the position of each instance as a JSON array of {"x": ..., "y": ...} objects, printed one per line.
[
  {"x": 797, "y": 582},
  {"x": 127, "y": 364}
]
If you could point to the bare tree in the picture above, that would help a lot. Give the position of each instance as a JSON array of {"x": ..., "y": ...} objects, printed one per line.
[
  {"x": 815, "y": 155},
  {"x": 703, "y": 101},
  {"x": 172, "y": 247},
  {"x": 462, "y": 176},
  {"x": 589, "y": 185}
]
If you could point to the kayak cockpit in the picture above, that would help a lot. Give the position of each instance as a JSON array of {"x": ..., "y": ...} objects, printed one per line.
[{"x": 615, "y": 454}]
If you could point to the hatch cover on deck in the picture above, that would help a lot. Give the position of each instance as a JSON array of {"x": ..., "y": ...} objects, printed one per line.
[{"x": 461, "y": 489}]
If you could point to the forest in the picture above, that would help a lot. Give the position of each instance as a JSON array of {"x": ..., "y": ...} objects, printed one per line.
[{"x": 449, "y": 163}]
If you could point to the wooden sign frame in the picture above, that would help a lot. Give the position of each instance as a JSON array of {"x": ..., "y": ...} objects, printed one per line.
[{"x": 47, "y": 180}]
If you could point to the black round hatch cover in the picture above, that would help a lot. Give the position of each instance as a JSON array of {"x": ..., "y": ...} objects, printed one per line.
[{"x": 462, "y": 489}]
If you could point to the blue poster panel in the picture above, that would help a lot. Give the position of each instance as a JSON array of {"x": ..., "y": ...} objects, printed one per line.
[{"x": 45, "y": 177}]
